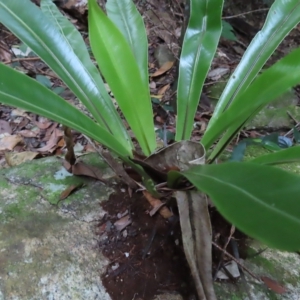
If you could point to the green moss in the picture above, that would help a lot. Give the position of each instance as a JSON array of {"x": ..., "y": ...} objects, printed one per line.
[
  {"x": 17, "y": 200},
  {"x": 267, "y": 265},
  {"x": 49, "y": 175},
  {"x": 3, "y": 182},
  {"x": 13, "y": 210},
  {"x": 228, "y": 291},
  {"x": 31, "y": 224},
  {"x": 273, "y": 268},
  {"x": 256, "y": 151}
]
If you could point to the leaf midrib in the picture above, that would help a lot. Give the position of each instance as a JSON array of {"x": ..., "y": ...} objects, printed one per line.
[{"x": 251, "y": 196}]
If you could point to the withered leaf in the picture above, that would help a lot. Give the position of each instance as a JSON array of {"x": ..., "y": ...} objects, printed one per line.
[
  {"x": 156, "y": 203},
  {"x": 52, "y": 143},
  {"x": 9, "y": 142},
  {"x": 80, "y": 168},
  {"x": 163, "y": 69},
  {"x": 273, "y": 285},
  {"x": 5, "y": 127},
  {"x": 14, "y": 159},
  {"x": 71, "y": 189},
  {"x": 122, "y": 223}
]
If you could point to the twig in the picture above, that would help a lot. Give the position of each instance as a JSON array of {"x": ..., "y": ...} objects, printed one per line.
[
  {"x": 234, "y": 259},
  {"x": 246, "y": 13},
  {"x": 178, "y": 14},
  {"x": 291, "y": 116},
  {"x": 150, "y": 241},
  {"x": 258, "y": 253},
  {"x": 236, "y": 254},
  {"x": 290, "y": 131},
  {"x": 6, "y": 50},
  {"x": 232, "y": 230},
  {"x": 297, "y": 124},
  {"x": 214, "y": 82},
  {"x": 22, "y": 59}
]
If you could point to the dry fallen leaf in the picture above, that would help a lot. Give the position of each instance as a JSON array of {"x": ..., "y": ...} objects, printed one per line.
[
  {"x": 15, "y": 159},
  {"x": 122, "y": 223},
  {"x": 9, "y": 142},
  {"x": 89, "y": 148},
  {"x": 5, "y": 54},
  {"x": 217, "y": 73},
  {"x": 164, "y": 211},
  {"x": 71, "y": 189},
  {"x": 163, "y": 90},
  {"x": 153, "y": 211},
  {"x": 19, "y": 113},
  {"x": 43, "y": 125},
  {"x": 52, "y": 143},
  {"x": 163, "y": 69},
  {"x": 49, "y": 132},
  {"x": 83, "y": 169},
  {"x": 273, "y": 285},
  {"x": 61, "y": 143},
  {"x": 5, "y": 127},
  {"x": 29, "y": 133},
  {"x": 67, "y": 166}
]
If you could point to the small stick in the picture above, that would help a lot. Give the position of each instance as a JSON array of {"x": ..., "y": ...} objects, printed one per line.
[
  {"x": 246, "y": 13},
  {"x": 21, "y": 59},
  {"x": 297, "y": 124},
  {"x": 234, "y": 259}
]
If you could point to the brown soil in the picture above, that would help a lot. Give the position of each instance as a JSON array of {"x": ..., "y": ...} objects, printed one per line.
[{"x": 147, "y": 257}]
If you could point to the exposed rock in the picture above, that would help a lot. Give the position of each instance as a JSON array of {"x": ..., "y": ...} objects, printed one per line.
[{"x": 46, "y": 251}]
